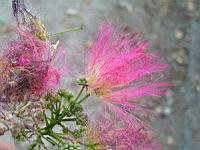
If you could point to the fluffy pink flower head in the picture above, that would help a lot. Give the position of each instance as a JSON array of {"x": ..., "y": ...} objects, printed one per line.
[
  {"x": 121, "y": 70},
  {"x": 118, "y": 60},
  {"x": 106, "y": 134},
  {"x": 26, "y": 66}
]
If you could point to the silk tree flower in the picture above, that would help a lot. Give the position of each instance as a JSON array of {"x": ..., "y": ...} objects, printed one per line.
[
  {"x": 26, "y": 67},
  {"x": 107, "y": 135},
  {"x": 121, "y": 71}
]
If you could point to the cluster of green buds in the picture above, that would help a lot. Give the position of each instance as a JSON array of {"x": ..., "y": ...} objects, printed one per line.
[
  {"x": 73, "y": 146},
  {"x": 61, "y": 110}
]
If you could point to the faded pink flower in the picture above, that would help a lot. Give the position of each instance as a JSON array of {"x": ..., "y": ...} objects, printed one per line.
[
  {"x": 121, "y": 71},
  {"x": 111, "y": 134},
  {"x": 27, "y": 68}
]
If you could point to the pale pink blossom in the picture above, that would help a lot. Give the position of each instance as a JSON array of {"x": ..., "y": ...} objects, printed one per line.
[{"x": 111, "y": 134}]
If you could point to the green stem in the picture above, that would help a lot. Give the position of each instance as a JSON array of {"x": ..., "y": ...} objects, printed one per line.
[
  {"x": 69, "y": 30},
  {"x": 57, "y": 121},
  {"x": 57, "y": 137},
  {"x": 49, "y": 140},
  {"x": 45, "y": 118},
  {"x": 59, "y": 105},
  {"x": 52, "y": 113},
  {"x": 69, "y": 119},
  {"x": 84, "y": 98},
  {"x": 80, "y": 92}
]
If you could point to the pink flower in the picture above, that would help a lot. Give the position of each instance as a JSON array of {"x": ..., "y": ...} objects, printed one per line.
[
  {"x": 27, "y": 67},
  {"x": 108, "y": 135},
  {"x": 121, "y": 71}
]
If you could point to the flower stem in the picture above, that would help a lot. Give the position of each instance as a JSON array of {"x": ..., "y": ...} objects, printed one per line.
[
  {"x": 80, "y": 92},
  {"x": 57, "y": 137},
  {"x": 69, "y": 30},
  {"x": 84, "y": 98},
  {"x": 69, "y": 119}
]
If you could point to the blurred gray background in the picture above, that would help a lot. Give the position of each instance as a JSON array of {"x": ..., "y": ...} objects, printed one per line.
[{"x": 173, "y": 26}]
